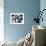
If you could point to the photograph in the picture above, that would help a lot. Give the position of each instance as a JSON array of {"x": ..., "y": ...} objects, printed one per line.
[
  {"x": 22, "y": 22},
  {"x": 16, "y": 18}
]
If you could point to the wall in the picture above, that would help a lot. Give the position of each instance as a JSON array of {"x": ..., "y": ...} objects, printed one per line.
[
  {"x": 43, "y": 6},
  {"x": 29, "y": 8}
]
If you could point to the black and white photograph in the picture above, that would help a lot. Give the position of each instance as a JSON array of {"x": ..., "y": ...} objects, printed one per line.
[{"x": 16, "y": 18}]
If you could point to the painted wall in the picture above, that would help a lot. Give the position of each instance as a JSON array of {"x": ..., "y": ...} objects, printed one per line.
[
  {"x": 43, "y": 6},
  {"x": 29, "y": 8}
]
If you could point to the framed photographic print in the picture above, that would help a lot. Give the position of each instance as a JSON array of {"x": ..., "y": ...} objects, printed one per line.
[{"x": 16, "y": 18}]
